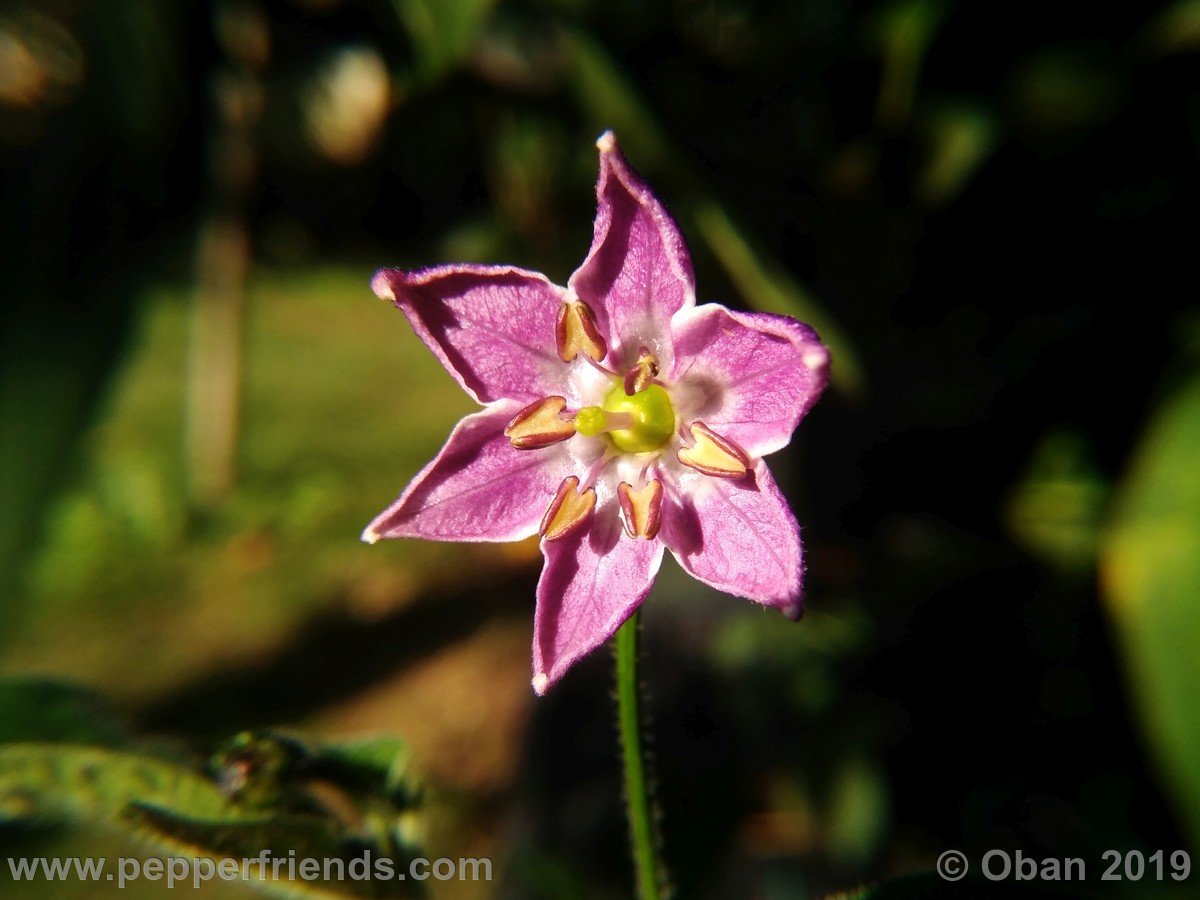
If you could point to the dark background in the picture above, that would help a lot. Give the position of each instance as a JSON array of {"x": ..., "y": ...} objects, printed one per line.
[{"x": 988, "y": 210}]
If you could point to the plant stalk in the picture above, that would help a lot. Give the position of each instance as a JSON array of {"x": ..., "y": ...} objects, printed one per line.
[{"x": 649, "y": 875}]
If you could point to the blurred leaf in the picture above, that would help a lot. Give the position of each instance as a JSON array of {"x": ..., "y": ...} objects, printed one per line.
[
  {"x": 1175, "y": 29},
  {"x": 611, "y": 101},
  {"x": 1151, "y": 569},
  {"x": 381, "y": 763},
  {"x": 285, "y": 838},
  {"x": 267, "y": 796},
  {"x": 763, "y": 285},
  {"x": 905, "y": 31},
  {"x": 257, "y": 769},
  {"x": 526, "y": 157},
  {"x": 1057, "y": 508},
  {"x": 961, "y": 137},
  {"x": 1060, "y": 94},
  {"x": 137, "y": 39},
  {"x": 442, "y": 31},
  {"x": 230, "y": 837},
  {"x": 48, "y": 711},
  {"x": 65, "y": 782},
  {"x": 859, "y": 811}
]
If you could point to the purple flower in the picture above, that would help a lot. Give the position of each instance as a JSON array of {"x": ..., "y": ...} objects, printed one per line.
[{"x": 618, "y": 418}]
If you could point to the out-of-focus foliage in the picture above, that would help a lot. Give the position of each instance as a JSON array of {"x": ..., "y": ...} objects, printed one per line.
[
  {"x": 442, "y": 33},
  {"x": 323, "y": 419},
  {"x": 1151, "y": 572},
  {"x": 68, "y": 286},
  {"x": 259, "y": 792},
  {"x": 1058, "y": 508}
]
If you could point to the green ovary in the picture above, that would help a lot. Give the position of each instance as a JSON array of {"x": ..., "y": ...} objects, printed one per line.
[{"x": 653, "y": 416}]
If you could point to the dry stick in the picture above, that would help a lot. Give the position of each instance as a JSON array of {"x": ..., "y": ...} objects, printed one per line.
[{"x": 214, "y": 379}]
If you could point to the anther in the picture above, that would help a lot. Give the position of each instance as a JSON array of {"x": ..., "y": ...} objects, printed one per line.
[
  {"x": 641, "y": 509},
  {"x": 568, "y": 510},
  {"x": 539, "y": 425},
  {"x": 642, "y": 373},
  {"x": 576, "y": 332},
  {"x": 712, "y": 454}
]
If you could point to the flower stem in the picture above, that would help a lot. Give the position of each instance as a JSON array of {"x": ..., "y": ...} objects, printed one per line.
[{"x": 637, "y": 794}]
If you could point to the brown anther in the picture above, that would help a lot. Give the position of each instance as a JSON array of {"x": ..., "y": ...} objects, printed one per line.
[
  {"x": 576, "y": 332},
  {"x": 539, "y": 425},
  {"x": 568, "y": 510},
  {"x": 642, "y": 508},
  {"x": 643, "y": 372},
  {"x": 713, "y": 455}
]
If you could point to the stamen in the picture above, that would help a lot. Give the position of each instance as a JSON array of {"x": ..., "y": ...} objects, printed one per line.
[
  {"x": 539, "y": 425},
  {"x": 642, "y": 373},
  {"x": 568, "y": 510},
  {"x": 712, "y": 454},
  {"x": 642, "y": 508},
  {"x": 576, "y": 332}
]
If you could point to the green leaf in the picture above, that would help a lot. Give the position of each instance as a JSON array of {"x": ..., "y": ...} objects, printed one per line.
[
  {"x": 443, "y": 32},
  {"x": 378, "y": 763},
  {"x": 301, "y": 838},
  {"x": 906, "y": 29},
  {"x": 1173, "y": 29},
  {"x": 49, "y": 711},
  {"x": 66, "y": 782},
  {"x": 1151, "y": 581},
  {"x": 961, "y": 136},
  {"x": 860, "y": 812},
  {"x": 1057, "y": 508}
]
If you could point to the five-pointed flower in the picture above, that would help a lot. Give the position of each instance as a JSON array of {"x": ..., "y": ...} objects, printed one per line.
[{"x": 618, "y": 418}]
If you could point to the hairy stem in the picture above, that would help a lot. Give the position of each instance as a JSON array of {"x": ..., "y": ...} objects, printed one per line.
[{"x": 637, "y": 794}]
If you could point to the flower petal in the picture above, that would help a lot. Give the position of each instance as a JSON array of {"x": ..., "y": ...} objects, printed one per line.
[
  {"x": 750, "y": 377},
  {"x": 479, "y": 487},
  {"x": 492, "y": 327},
  {"x": 638, "y": 273},
  {"x": 738, "y": 536},
  {"x": 592, "y": 582}
]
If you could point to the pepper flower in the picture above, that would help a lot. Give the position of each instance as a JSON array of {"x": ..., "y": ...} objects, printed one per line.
[{"x": 619, "y": 419}]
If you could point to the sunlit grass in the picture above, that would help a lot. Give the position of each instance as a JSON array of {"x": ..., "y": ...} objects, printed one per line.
[{"x": 342, "y": 406}]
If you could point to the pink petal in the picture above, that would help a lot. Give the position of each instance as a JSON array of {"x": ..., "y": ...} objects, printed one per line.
[
  {"x": 638, "y": 273},
  {"x": 738, "y": 536},
  {"x": 492, "y": 327},
  {"x": 592, "y": 582},
  {"x": 478, "y": 487},
  {"x": 750, "y": 377}
]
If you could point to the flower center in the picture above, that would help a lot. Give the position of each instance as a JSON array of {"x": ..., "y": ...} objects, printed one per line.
[{"x": 636, "y": 424}]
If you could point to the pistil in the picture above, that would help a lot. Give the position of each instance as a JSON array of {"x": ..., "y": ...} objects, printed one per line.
[{"x": 634, "y": 424}]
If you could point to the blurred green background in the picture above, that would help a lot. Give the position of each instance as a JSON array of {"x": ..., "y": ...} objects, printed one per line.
[{"x": 989, "y": 212}]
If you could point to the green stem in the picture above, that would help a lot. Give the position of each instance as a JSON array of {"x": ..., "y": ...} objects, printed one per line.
[{"x": 637, "y": 794}]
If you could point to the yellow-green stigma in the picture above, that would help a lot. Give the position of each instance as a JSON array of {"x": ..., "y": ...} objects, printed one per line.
[
  {"x": 635, "y": 424},
  {"x": 591, "y": 421}
]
